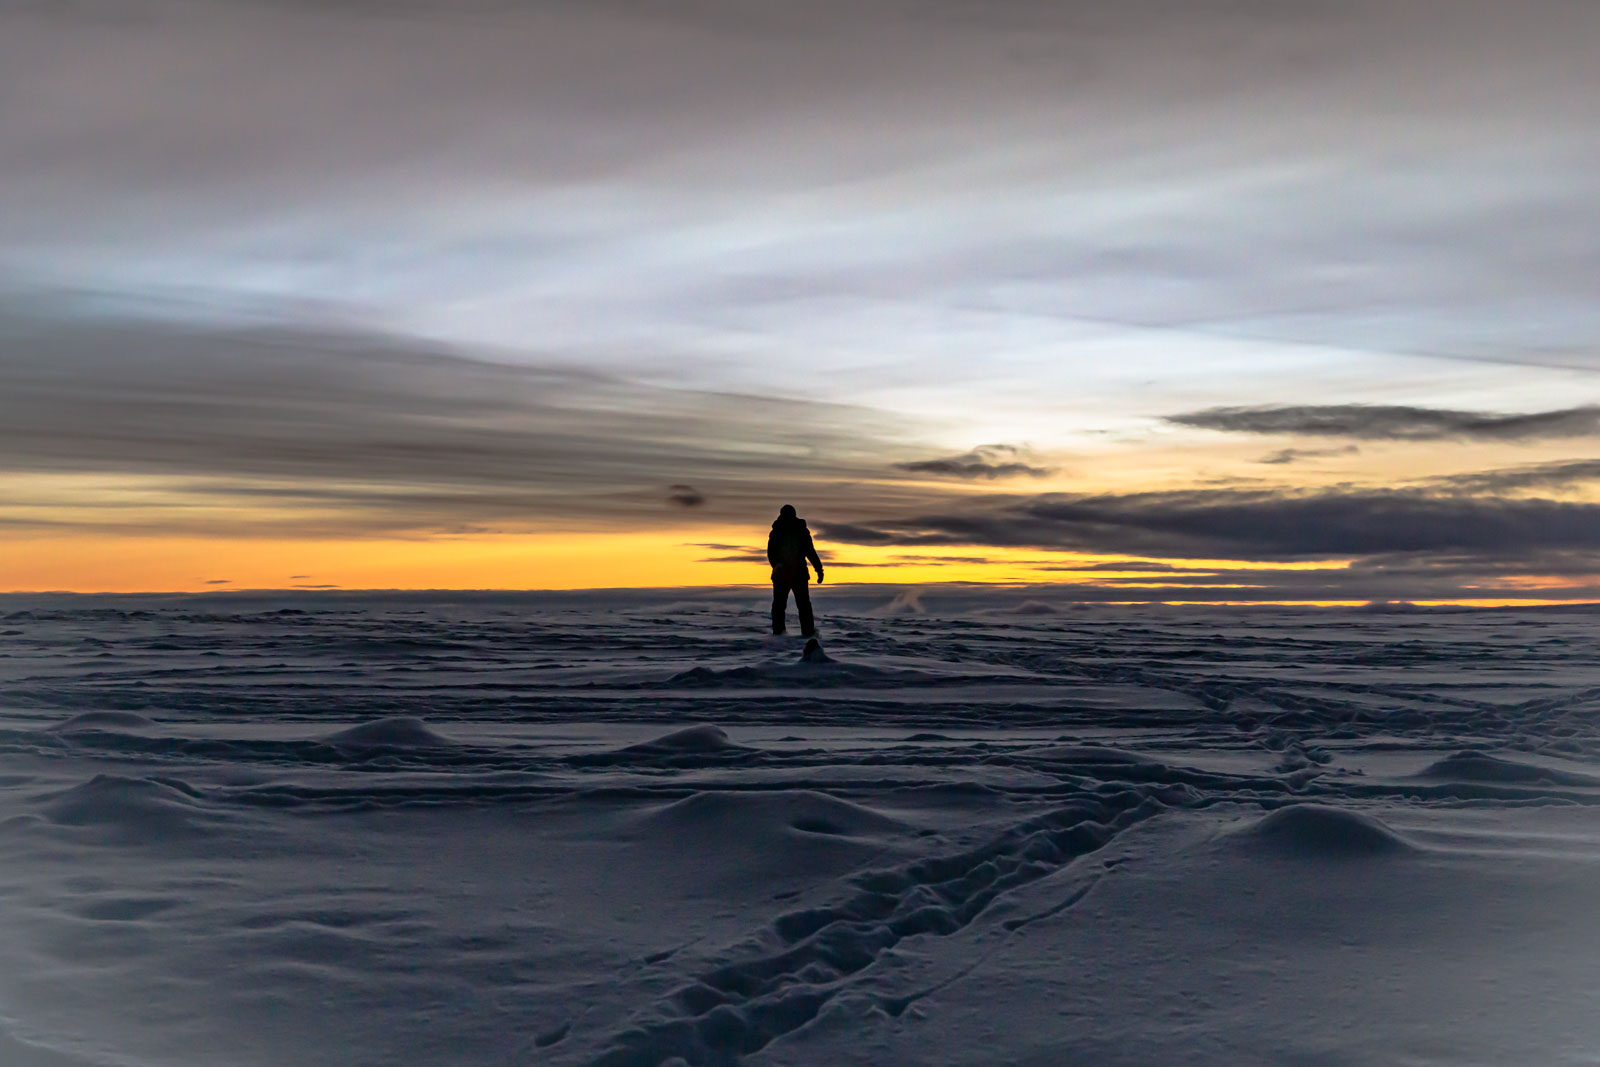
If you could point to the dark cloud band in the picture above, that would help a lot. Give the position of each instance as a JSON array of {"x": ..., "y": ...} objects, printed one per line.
[
  {"x": 1394, "y": 423},
  {"x": 986, "y": 462},
  {"x": 1563, "y": 475},
  {"x": 1252, "y": 525},
  {"x": 348, "y": 433}
]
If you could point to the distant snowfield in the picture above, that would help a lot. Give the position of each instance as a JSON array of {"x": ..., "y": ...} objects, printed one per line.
[{"x": 633, "y": 830}]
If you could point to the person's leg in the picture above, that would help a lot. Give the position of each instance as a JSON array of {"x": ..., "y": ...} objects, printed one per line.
[
  {"x": 780, "y": 601},
  {"x": 802, "y": 604}
]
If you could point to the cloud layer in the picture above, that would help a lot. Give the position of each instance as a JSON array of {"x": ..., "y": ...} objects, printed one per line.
[
  {"x": 597, "y": 175},
  {"x": 1252, "y": 525},
  {"x": 986, "y": 462},
  {"x": 430, "y": 267},
  {"x": 296, "y": 433},
  {"x": 1374, "y": 422},
  {"x": 358, "y": 433}
]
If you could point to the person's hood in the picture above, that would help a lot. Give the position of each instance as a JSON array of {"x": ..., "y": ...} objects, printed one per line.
[{"x": 787, "y": 520}]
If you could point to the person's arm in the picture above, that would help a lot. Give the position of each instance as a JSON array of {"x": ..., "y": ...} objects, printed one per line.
[
  {"x": 772, "y": 548},
  {"x": 811, "y": 554}
]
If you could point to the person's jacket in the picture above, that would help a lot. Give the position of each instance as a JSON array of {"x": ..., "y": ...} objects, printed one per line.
[{"x": 789, "y": 545}]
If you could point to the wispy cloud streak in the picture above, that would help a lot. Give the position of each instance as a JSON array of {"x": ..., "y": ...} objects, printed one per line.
[
  {"x": 1251, "y": 525},
  {"x": 986, "y": 462},
  {"x": 1374, "y": 422},
  {"x": 363, "y": 433}
]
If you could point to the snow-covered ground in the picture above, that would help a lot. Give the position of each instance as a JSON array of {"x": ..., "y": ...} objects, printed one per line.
[{"x": 630, "y": 829}]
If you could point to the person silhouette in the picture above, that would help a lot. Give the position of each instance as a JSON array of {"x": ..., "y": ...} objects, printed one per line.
[{"x": 789, "y": 547}]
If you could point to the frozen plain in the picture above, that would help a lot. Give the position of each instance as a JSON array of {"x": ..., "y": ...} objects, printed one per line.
[{"x": 611, "y": 829}]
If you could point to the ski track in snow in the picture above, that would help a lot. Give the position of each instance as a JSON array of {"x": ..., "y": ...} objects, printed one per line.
[{"x": 499, "y": 829}]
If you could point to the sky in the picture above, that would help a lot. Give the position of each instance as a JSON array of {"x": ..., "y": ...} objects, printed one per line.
[{"x": 1180, "y": 300}]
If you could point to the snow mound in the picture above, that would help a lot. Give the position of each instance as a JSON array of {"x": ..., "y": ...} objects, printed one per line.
[
  {"x": 1315, "y": 830},
  {"x": 103, "y": 720},
  {"x": 137, "y": 809},
  {"x": 1480, "y": 767},
  {"x": 403, "y": 731},
  {"x": 692, "y": 746},
  {"x": 702, "y": 738},
  {"x": 744, "y": 816}
]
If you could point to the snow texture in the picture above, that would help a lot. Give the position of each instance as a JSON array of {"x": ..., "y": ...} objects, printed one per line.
[{"x": 633, "y": 830}]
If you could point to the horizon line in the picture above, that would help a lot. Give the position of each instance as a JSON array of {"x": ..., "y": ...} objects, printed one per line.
[{"x": 1469, "y": 603}]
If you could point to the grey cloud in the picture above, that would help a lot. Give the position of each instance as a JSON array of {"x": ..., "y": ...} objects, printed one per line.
[
  {"x": 1395, "y": 422},
  {"x": 854, "y": 534},
  {"x": 1398, "y": 576},
  {"x": 1254, "y": 525},
  {"x": 1295, "y": 455},
  {"x": 351, "y": 432},
  {"x": 1433, "y": 211},
  {"x": 1145, "y": 565},
  {"x": 987, "y": 462},
  {"x": 1231, "y": 579},
  {"x": 685, "y": 496},
  {"x": 1511, "y": 479},
  {"x": 1561, "y": 562},
  {"x": 1419, "y": 577}
]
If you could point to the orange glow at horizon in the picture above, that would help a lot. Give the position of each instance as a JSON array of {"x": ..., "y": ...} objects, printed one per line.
[
  {"x": 126, "y": 563},
  {"x": 84, "y": 562}
]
